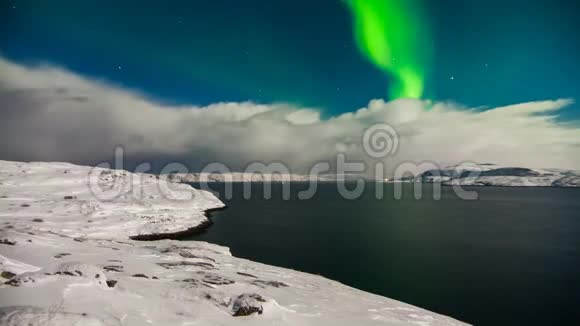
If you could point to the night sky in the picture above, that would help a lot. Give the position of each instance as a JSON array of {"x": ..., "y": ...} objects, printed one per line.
[{"x": 481, "y": 53}]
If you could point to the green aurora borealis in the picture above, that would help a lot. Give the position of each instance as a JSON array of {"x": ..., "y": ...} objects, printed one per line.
[
  {"x": 333, "y": 56},
  {"x": 392, "y": 34}
]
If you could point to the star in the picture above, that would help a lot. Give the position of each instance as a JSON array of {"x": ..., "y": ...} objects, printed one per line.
[
  {"x": 119, "y": 68},
  {"x": 452, "y": 77}
]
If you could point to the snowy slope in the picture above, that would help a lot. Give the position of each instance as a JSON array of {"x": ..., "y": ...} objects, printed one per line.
[{"x": 67, "y": 258}]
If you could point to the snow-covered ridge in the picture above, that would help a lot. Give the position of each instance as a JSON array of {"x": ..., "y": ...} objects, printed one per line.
[
  {"x": 134, "y": 204},
  {"x": 67, "y": 258},
  {"x": 493, "y": 175}
]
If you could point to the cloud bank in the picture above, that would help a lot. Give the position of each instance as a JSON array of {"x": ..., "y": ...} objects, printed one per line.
[{"x": 50, "y": 114}]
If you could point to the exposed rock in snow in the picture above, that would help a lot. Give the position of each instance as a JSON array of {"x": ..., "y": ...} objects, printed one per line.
[
  {"x": 67, "y": 258},
  {"x": 247, "y": 304},
  {"x": 492, "y": 175}
]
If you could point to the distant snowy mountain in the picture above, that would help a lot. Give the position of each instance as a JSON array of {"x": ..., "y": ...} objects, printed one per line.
[
  {"x": 493, "y": 175},
  {"x": 472, "y": 174},
  {"x": 486, "y": 174},
  {"x": 259, "y": 177}
]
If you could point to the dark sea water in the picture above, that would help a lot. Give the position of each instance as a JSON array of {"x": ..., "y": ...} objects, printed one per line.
[{"x": 512, "y": 257}]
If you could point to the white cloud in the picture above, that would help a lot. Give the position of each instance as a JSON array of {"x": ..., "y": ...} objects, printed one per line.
[{"x": 51, "y": 114}]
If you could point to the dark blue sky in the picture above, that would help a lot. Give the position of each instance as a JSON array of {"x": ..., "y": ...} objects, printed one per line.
[{"x": 487, "y": 53}]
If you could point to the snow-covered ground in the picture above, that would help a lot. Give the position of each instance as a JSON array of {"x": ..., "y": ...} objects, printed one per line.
[{"x": 67, "y": 257}]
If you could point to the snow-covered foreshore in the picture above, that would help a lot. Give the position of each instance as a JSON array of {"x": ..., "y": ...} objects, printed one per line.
[{"x": 68, "y": 256}]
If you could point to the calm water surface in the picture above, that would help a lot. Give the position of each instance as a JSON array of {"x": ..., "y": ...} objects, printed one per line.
[{"x": 510, "y": 258}]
